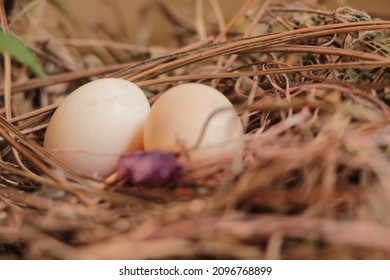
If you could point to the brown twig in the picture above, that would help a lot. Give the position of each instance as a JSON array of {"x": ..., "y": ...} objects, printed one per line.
[
  {"x": 182, "y": 59},
  {"x": 7, "y": 66}
]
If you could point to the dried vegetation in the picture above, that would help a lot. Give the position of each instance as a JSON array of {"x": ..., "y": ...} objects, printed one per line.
[{"x": 313, "y": 91}]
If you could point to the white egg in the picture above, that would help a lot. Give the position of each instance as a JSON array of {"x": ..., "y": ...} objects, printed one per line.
[
  {"x": 178, "y": 117},
  {"x": 96, "y": 123}
]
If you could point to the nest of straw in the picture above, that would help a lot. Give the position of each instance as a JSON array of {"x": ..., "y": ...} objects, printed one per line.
[{"x": 312, "y": 91}]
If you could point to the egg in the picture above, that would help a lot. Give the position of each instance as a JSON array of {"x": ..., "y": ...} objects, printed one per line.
[
  {"x": 95, "y": 124},
  {"x": 177, "y": 119}
]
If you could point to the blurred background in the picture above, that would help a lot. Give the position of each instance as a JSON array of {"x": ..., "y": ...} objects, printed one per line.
[
  {"x": 142, "y": 21},
  {"x": 95, "y": 33}
]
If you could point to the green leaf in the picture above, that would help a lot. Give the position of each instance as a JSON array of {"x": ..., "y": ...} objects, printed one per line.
[{"x": 19, "y": 52}]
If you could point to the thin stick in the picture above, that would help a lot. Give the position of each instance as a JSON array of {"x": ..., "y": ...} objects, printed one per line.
[
  {"x": 44, "y": 110},
  {"x": 229, "y": 25},
  {"x": 35, "y": 154},
  {"x": 218, "y": 15},
  {"x": 7, "y": 84},
  {"x": 7, "y": 66},
  {"x": 301, "y": 10},
  {"x": 66, "y": 77},
  {"x": 109, "y": 44},
  {"x": 37, "y": 163},
  {"x": 71, "y": 76},
  {"x": 240, "y": 45},
  {"x": 199, "y": 20},
  {"x": 27, "y": 8},
  {"x": 260, "y": 13},
  {"x": 287, "y": 48},
  {"x": 295, "y": 69}
]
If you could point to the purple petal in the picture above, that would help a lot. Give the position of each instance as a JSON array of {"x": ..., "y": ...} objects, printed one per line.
[{"x": 148, "y": 167}]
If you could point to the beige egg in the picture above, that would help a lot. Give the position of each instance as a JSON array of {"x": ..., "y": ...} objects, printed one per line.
[
  {"x": 96, "y": 123},
  {"x": 196, "y": 118}
]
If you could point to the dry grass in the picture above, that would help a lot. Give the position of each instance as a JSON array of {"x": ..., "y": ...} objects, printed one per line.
[{"x": 312, "y": 91}]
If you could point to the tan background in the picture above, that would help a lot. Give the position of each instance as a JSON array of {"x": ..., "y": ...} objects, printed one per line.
[{"x": 139, "y": 26}]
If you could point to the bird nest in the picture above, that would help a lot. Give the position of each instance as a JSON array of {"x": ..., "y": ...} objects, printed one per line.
[{"x": 311, "y": 87}]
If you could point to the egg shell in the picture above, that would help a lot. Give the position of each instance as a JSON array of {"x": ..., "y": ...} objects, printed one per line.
[
  {"x": 177, "y": 118},
  {"x": 96, "y": 123}
]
